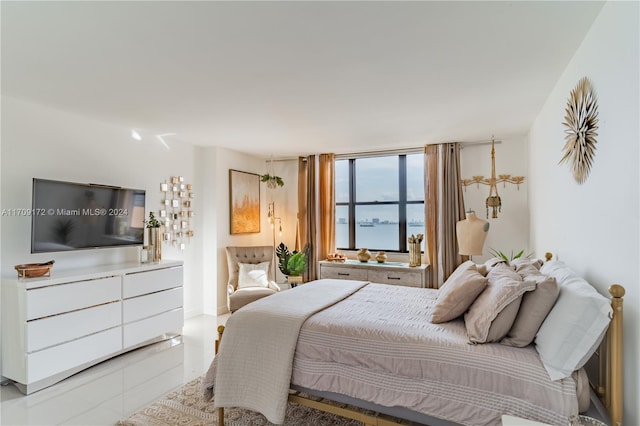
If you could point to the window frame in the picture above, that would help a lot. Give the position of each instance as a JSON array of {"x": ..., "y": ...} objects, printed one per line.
[{"x": 402, "y": 202}]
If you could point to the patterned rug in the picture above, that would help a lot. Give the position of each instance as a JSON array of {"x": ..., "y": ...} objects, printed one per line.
[{"x": 187, "y": 407}]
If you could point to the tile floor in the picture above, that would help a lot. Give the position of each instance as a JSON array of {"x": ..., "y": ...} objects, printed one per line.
[{"x": 114, "y": 389}]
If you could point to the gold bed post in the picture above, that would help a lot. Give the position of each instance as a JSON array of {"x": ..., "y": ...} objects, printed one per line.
[
  {"x": 217, "y": 345},
  {"x": 615, "y": 357}
]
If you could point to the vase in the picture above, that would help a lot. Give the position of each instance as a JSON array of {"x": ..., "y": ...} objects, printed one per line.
[
  {"x": 363, "y": 255},
  {"x": 381, "y": 257},
  {"x": 415, "y": 254},
  {"x": 154, "y": 240}
]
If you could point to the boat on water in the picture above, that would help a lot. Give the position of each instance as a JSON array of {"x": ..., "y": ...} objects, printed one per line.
[{"x": 366, "y": 224}]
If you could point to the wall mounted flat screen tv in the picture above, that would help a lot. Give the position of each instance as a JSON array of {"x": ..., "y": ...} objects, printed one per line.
[{"x": 72, "y": 216}]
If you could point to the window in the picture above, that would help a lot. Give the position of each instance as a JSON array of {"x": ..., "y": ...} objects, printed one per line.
[{"x": 379, "y": 201}]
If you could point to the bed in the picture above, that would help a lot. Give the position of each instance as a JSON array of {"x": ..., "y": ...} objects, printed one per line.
[{"x": 375, "y": 346}]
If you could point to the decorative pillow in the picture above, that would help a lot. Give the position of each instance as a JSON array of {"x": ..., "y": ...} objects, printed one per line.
[
  {"x": 523, "y": 262},
  {"x": 534, "y": 308},
  {"x": 253, "y": 275},
  {"x": 482, "y": 269},
  {"x": 503, "y": 294},
  {"x": 491, "y": 263},
  {"x": 576, "y": 324},
  {"x": 458, "y": 293}
]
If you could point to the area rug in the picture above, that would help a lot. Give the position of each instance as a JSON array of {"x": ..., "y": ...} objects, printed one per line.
[{"x": 187, "y": 407}]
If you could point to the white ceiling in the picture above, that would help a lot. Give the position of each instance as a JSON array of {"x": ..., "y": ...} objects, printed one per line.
[{"x": 290, "y": 78}]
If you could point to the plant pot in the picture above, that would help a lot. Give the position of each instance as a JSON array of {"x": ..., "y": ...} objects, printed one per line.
[
  {"x": 154, "y": 241},
  {"x": 415, "y": 254}
]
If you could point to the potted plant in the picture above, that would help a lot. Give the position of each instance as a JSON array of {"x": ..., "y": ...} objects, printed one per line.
[
  {"x": 154, "y": 240},
  {"x": 272, "y": 180},
  {"x": 292, "y": 264}
]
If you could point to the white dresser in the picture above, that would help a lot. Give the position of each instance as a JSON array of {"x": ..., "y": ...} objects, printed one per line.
[
  {"x": 53, "y": 327},
  {"x": 386, "y": 273}
]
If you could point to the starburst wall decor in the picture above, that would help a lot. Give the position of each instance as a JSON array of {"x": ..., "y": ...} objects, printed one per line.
[{"x": 581, "y": 121}]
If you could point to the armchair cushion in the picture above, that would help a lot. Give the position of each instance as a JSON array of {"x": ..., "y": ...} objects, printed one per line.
[
  {"x": 253, "y": 275},
  {"x": 242, "y": 296},
  {"x": 252, "y": 257}
]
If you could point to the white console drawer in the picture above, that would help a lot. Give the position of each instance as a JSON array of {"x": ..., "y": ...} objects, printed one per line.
[
  {"x": 143, "y": 330},
  {"x": 151, "y": 304},
  {"x": 73, "y": 325},
  {"x": 46, "y": 363},
  {"x": 57, "y": 299},
  {"x": 342, "y": 273},
  {"x": 409, "y": 279},
  {"x": 151, "y": 281}
]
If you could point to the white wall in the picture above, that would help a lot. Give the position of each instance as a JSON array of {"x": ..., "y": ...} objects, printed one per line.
[
  {"x": 510, "y": 231},
  {"x": 42, "y": 142},
  {"x": 285, "y": 198},
  {"x": 594, "y": 226}
]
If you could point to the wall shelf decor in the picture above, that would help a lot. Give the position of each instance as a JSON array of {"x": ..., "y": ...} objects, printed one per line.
[
  {"x": 493, "y": 200},
  {"x": 177, "y": 212}
]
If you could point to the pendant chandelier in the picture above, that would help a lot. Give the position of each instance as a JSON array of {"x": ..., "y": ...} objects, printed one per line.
[{"x": 493, "y": 200}]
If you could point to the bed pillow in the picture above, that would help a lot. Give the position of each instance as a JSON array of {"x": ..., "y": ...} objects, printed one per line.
[
  {"x": 575, "y": 325},
  {"x": 523, "y": 262},
  {"x": 534, "y": 309},
  {"x": 492, "y": 314},
  {"x": 253, "y": 275},
  {"x": 458, "y": 293}
]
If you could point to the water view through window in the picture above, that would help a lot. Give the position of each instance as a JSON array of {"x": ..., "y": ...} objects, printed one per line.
[{"x": 379, "y": 201}]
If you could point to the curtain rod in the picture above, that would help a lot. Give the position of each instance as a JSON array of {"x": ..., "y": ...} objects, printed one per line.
[{"x": 411, "y": 150}]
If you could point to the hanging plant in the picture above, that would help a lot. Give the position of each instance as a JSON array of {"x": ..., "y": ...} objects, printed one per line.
[{"x": 272, "y": 180}]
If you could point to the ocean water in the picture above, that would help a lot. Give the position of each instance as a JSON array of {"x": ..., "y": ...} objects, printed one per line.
[{"x": 377, "y": 237}]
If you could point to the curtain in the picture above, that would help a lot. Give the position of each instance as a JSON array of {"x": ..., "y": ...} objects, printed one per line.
[
  {"x": 444, "y": 207},
  {"x": 326, "y": 201},
  {"x": 307, "y": 211}
]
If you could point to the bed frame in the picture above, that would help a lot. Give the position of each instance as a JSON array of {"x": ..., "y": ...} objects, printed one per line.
[{"x": 607, "y": 384}]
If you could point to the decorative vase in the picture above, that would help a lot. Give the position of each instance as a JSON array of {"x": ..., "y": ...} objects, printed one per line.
[
  {"x": 381, "y": 257},
  {"x": 415, "y": 254},
  {"x": 363, "y": 255},
  {"x": 154, "y": 241}
]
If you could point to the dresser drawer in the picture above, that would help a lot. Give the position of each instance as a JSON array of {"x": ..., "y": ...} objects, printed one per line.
[
  {"x": 62, "y": 328},
  {"x": 151, "y": 304},
  {"x": 410, "y": 279},
  {"x": 151, "y": 281},
  {"x": 140, "y": 331},
  {"x": 342, "y": 273},
  {"x": 48, "y": 362},
  {"x": 57, "y": 299}
]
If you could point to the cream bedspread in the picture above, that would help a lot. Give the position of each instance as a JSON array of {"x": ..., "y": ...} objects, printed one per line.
[
  {"x": 378, "y": 345},
  {"x": 255, "y": 357}
]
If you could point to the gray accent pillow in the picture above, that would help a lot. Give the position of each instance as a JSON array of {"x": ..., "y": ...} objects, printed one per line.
[
  {"x": 458, "y": 293},
  {"x": 505, "y": 287},
  {"x": 535, "y": 307}
]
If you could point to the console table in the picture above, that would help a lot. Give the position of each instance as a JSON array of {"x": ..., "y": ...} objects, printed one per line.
[
  {"x": 56, "y": 326},
  {"x": 397, "y": 273}
]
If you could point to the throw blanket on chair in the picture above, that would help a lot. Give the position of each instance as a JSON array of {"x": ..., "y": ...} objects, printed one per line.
[{"x": 255, "y": 357}]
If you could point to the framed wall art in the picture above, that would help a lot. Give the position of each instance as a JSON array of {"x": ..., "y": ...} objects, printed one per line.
[{"x": 244, "y": 202}]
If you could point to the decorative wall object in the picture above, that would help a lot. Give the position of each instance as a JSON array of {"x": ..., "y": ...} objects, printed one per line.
[
  {"x": 581, "y": 121},
  {"x": 244, "y": 202},
  {"x": 177, "y": 212},
  {"x": 493, "y": 200}
]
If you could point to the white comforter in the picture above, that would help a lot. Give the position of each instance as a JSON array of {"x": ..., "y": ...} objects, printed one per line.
[{"x": 255, "y": 358}]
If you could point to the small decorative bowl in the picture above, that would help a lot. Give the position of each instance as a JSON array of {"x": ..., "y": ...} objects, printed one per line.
[{"x": 32, "y": 270}]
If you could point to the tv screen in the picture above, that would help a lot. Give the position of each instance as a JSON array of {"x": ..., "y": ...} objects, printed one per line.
[{"x": 72, "y": 216}]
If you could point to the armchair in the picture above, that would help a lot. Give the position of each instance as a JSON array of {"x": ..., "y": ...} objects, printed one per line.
[{"x": 239, "y": 295}]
